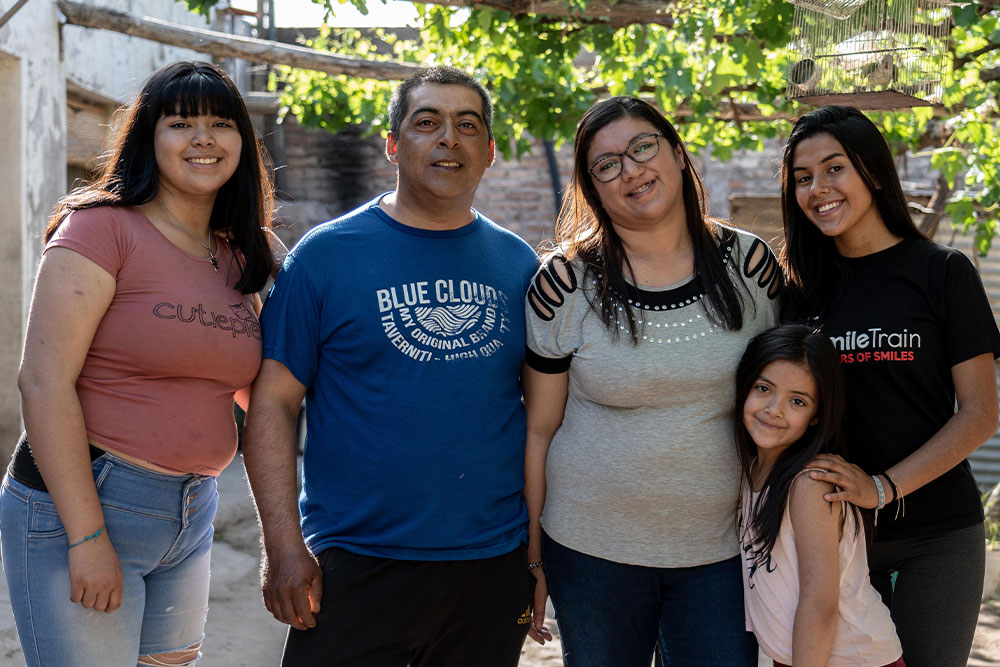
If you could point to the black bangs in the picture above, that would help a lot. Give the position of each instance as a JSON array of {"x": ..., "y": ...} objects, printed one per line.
[{"x": 197, "y": 94}]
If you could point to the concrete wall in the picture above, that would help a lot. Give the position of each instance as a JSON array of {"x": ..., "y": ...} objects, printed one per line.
[
  {"x": 37, "y": 56},
  {"x": 11, "y": 222},
  {"x": 33, "y": 176},
  {"x": 115, "y": 65}
]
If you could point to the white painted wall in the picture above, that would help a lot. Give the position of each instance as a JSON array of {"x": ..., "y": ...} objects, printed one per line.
[
  {"x": 115, "y": 64},
  {"x": 37, "y": 56}
]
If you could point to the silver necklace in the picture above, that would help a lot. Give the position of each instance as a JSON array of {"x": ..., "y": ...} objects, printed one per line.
[{"x": 178, "y": 223}]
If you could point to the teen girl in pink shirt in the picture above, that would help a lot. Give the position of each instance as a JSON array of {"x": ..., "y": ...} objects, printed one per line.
[{"x": 142, "y": 329}]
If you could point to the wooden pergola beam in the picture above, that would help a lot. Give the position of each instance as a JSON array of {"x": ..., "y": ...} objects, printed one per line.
[
  {"x": 622, "y": 12},
  {"x": 231, "y": 46}
]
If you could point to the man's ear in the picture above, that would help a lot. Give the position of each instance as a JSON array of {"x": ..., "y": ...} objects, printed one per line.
[
  {"x": 391, "y": 147},
  {"x": 493, "y": 153}
]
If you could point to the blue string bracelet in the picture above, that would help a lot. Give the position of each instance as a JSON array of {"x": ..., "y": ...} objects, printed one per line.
[{"x": 88, "y": 537}]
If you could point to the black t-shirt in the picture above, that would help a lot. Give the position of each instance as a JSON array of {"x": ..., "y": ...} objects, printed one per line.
[{"x": 901, "y": 319}]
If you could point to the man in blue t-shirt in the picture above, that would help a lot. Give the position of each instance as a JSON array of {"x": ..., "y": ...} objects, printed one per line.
[{"x": 402, "y": 325}]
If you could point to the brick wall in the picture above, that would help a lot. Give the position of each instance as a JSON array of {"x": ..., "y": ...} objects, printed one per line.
[
  {"x": 326, "y": 175},
  {"x": 518, "y": 194}
]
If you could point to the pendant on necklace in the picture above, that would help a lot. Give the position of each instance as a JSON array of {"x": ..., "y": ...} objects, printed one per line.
[{"x": 180, "y": 225}]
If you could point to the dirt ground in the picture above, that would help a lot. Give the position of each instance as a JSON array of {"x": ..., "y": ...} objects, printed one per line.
[{"x": 241, "y": 633}]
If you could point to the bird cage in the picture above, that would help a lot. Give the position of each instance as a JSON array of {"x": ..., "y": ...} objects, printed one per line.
[{"x": 871, "y": 54}]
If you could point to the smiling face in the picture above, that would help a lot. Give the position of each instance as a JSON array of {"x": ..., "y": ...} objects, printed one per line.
[
  {"x": 644, "y": 193},
  {"x": 834, "y": 197},
  {"x": 443, "y": 147},
  {"x": 780, "y": 407},
  {"x": 195, "y": 155}
]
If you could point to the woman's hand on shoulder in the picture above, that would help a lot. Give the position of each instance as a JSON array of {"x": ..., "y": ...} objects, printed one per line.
[{"x": 854, "y": 484}]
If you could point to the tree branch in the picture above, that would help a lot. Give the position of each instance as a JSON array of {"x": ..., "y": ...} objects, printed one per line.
[
  {"x": 616, "y": 13},
  {"x": 729, "y": 90},
  {"x": 231, "y": 46},
  {"x": 736, "y": 111},
  {"x": 989, "y": 74},
  {"x": 972, "y": 55}
]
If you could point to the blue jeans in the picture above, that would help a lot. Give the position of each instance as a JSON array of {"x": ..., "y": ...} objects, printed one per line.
[
  {"x": 615, "y": 615},
  {"x": 161, "y": 528}
]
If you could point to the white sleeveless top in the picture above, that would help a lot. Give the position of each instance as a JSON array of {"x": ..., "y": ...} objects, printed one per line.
[{"x": 865, "y": 637}]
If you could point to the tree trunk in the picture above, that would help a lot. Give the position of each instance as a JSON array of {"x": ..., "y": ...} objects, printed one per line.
[{"x": 931, "y": 218}]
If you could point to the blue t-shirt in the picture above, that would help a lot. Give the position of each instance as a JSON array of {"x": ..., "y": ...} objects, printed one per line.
[{"x": 410, "y": 344}]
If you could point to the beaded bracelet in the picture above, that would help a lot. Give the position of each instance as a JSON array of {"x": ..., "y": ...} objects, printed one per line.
[
  {"x": 532, "y": 566},
  {"x": 881, "y": 495},
  {"x": 881, "y": 492},
  {"x": 88, "y": 537}
]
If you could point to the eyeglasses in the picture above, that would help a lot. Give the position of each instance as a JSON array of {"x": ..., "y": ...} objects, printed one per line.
[{"x": 644, "y": 148}]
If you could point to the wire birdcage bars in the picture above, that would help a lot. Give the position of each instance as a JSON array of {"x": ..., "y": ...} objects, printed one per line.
[{"x": 872, "y": 54}]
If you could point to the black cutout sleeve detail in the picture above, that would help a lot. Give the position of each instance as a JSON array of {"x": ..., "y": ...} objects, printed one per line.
[
  {"x": 550, "y": 267},
  {"x": 553, "y": 295},
  {"x": 550, "y": 287},
  {"x": 538, "y": 305},
  {"x": 766, "y": 266}
]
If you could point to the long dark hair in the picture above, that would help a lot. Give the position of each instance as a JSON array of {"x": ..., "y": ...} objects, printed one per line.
[
  {"x": 808, "y": 256},
  {"x": 803, "y": 345},
  {"x": 584, "y": 228},
  {"x": 129, "y": 177}
]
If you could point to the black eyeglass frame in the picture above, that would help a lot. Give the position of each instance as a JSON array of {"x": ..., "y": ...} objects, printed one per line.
[{"x": 626, "y": 154}]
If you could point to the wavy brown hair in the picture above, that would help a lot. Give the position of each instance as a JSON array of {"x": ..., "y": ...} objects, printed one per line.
[{"x": 129, "y": 177}]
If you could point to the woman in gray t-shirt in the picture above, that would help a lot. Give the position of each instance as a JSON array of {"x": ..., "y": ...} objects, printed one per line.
[{"x": 635, "y": 326}]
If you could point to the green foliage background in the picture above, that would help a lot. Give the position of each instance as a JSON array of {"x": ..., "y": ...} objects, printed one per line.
[{"x": 715, "y": 50}]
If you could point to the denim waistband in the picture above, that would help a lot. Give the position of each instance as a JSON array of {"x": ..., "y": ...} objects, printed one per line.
[
  {"x": 23, "y": 468},
  {"x": 126, "y": 486}
]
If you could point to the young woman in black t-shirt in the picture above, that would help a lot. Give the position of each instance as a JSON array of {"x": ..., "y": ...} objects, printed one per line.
[{"x": 916, "y": 338}]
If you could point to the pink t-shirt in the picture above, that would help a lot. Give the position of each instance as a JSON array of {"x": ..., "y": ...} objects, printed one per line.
[
  {"x": 173, "y": 347},
  {"x": 865, "y": 636}
]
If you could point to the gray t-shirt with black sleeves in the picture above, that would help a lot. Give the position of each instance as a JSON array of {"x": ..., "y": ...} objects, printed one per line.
[{"x": 643, "y": 469}]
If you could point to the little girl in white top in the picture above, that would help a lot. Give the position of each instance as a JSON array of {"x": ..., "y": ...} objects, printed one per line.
[{"x": 806, "y": 589}]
